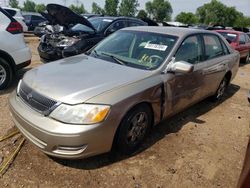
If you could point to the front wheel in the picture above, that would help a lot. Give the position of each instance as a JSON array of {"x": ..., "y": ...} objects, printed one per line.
[{"x": 133, "y": 129}]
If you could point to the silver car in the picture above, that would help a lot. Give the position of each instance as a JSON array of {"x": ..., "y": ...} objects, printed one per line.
[{"x": 135, "y": 78}]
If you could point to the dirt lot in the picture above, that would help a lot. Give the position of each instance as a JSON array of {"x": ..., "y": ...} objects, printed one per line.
[{"x": 203, "y": 146}]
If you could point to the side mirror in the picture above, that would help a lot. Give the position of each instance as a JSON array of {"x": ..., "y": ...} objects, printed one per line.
[{"x": 181, "y": 67}]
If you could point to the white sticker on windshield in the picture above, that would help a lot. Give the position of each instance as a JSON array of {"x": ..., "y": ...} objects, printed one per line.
[
  {"x": 106, "y": 20},
  {"x": 159, "y": 47}
]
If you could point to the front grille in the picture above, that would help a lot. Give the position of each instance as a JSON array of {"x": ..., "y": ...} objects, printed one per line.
[{"x": 35, "y": 100}]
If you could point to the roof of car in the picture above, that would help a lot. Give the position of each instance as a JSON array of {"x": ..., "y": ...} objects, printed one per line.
[
  {"x": 229, "y": 31},
  {"x": 10, "y": 8},
  {"x": 176, "y": 31},
  {"x": 116, "y": 18}
]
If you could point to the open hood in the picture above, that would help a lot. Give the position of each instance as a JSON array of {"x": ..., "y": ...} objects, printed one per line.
[{"x": 58, "y": 14}]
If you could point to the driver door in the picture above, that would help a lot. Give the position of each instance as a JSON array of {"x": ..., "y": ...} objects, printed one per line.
[{"x": 184, "y": 89}]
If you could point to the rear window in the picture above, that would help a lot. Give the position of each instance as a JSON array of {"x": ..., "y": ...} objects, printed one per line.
[
  {"x": 27, "y": 17},
  {"x": 230, "y": 37},
  {"x": 11, "y": 12}
]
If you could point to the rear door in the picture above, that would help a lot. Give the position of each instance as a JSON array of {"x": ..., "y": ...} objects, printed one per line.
[{"x": 217, "y": 57}]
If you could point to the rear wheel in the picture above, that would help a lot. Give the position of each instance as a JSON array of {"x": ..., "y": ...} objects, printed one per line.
[
  {"x": 133, "y": 129},
  {"x": 221, "y": 90},
  {"x": 5, "y": 74}
]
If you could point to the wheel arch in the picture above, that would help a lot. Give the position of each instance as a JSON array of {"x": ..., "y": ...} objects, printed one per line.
[
  {"x": 9, "y": 59},
  {"x": 125, "y": 114}
]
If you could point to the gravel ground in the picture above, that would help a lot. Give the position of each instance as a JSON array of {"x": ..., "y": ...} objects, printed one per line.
[{"x": 203, "y": 146}]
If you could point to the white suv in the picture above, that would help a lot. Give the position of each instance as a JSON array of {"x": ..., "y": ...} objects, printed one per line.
[
  {"x": 14, "y": 53},
  {"x": 16, "y": 14}
]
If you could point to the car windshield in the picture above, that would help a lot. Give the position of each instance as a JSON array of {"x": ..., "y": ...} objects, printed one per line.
[
  {"x": 144, "y": 50},
  {"x": 80, "y": 27},
  {"x": 100, "y": 23},
  {"x": 230, "y": 37}
]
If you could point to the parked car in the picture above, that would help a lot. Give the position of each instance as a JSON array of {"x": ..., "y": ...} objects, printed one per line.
[
  {"x": 248, "y": 34},
  {"x": 14, "y": 53},
  {"x": 32, "y": 20},
  {"x": 87, "y": 16},
  {"x": 79, "y": 34},
  {"x": 239, "y": 41},
  {"x": 17, "y": 15},
  {"x": 84, "y": 105}
]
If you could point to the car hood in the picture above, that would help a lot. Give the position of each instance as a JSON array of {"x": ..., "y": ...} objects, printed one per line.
[
  {"x": 64, "y": 16},
  {"x": 77, "y": 79}
]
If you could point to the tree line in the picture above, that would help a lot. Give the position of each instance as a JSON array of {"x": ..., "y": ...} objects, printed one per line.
[{"x": 210, "y": 13}]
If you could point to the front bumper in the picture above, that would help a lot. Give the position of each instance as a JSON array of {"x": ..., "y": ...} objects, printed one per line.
[
  {"x": 48, "y": 54},
  {"x": 58, "y": 139}
]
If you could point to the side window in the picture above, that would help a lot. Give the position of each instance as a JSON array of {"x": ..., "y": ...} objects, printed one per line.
[
  {"x": 247, "y": 38},
  {"x": 213, "y": 47},
  {"x": 133, "y": 23},
  {"x": 242, "y": 39},
  {"x": 117, "y": 25},
  {"x": 190, "y": 50}
]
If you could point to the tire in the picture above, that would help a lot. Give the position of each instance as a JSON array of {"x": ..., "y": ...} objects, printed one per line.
[
  {"x": 221, "y": 90},
  {"x": 247, "y": 59},
  {"x": 6, "y": 74},
  {"x": 131, "y": 135}
]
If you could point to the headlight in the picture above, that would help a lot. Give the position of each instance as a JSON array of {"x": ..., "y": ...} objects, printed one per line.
[
  {"x": 80, "y": 114},
  {"x": 67, "y": 42}
]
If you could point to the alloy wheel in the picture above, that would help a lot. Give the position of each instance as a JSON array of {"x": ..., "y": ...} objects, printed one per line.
[
  {"x": 137, "y": 128},
  {"x": 3, "y": 74}
]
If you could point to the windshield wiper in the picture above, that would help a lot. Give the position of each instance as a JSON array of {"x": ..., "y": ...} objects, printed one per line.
[{"x": 116, "y": 59}]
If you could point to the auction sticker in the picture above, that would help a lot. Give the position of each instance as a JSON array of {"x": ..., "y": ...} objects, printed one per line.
[{"x": 159, "y": 47}]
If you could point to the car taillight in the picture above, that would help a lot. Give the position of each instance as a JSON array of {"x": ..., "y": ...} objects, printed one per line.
[{"x": 15, "y": 28}]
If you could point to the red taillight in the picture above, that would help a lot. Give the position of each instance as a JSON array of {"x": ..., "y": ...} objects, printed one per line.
[{"x": 15, "y": 28}]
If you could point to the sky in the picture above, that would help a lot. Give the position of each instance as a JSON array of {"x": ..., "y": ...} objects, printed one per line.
[{"x": 177, "y": 5}]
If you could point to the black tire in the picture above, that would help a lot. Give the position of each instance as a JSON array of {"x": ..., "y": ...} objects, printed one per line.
[
  {"x": 221, "y": 90},
  {"x": 130, "y": 136},
  {"x": 6, "y": 70},
  {"x": 247, "y": 58}
]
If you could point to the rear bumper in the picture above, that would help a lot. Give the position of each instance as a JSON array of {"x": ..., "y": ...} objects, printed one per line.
[
  {"x": 22, "y": 56},
  {"x": 58, "y": 139}
]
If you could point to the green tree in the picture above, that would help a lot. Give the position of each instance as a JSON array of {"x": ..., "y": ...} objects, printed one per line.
[
  {"x": 242, "y": 22},
  {"x": 159, "y": 10},
  {"x": 217, "y": 13},
  {"x": 142, "y": 14},
  {"x": 29, "y": 6},
  {"x": 128, "y": 7},
  {"x": 40, "y": 7},
  {"x": 111, "y": 7},
  {"x": 96, "y": 9},
  {"x": 14, "y": 3},
  {"x": 78, "y": 9},
  {"x": 187, "y": 18}
]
